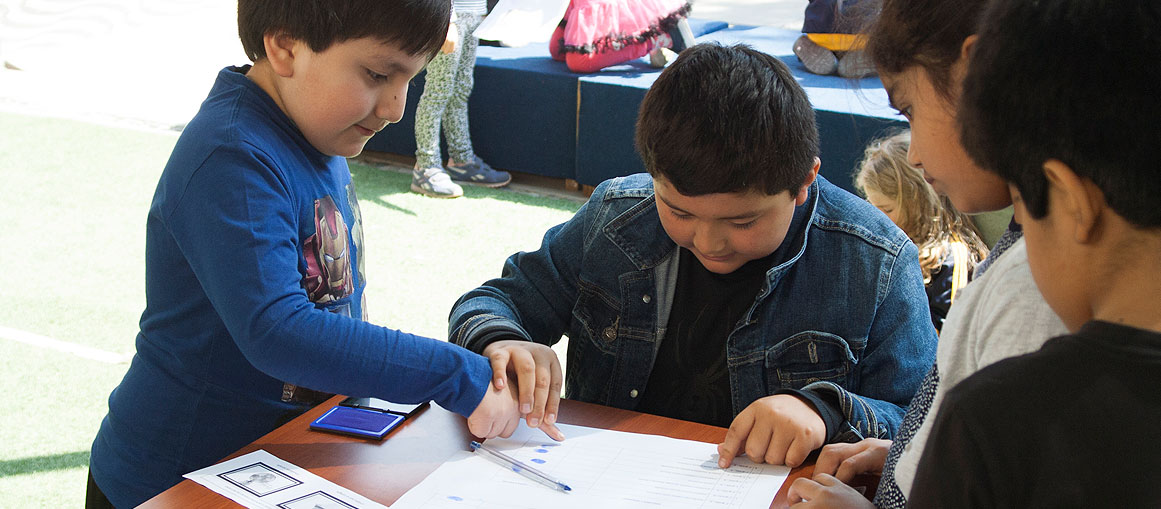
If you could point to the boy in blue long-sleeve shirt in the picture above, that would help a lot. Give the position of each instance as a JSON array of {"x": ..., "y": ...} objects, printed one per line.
[{"x": 254, "y": 281}]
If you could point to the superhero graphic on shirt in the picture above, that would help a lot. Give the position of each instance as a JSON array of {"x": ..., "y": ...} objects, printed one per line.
[
  {"x": 327, "y": 253},
  {"x": 328, "y": 276}
]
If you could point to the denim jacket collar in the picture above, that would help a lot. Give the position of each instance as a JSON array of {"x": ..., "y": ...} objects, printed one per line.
[{"x": 639, "y": 235}]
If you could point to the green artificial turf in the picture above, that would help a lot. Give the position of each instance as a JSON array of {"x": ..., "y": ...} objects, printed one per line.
[{"x": 72, "y": 255}]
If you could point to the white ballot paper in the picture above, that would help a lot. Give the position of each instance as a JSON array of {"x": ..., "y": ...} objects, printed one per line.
[
  {"x": 519, "y": 22},
  {"x": 604, "y": 469},
  {"x": 260, "y": 480}
]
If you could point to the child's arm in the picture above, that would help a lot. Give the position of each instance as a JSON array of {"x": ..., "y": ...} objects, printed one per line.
[
  {"x": 900, "y": 348},
  {"x": 235, "y": 222},
  {"x": 531, "y": 303},
  {"x": 489, "y": 320},
  {"x": 532, "y": 300},
  {"x": 899, "y": 352}
]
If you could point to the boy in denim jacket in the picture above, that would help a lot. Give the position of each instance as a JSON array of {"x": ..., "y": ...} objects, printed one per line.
[{"x": 731, "y": 285}]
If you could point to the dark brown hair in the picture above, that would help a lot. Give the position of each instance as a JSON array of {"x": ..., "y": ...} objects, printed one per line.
[
  {"x": 1071, "y": 80},
  {"x": 724, "y": 119},
  {"x": 926, "y": 33},
  {"x": 929, "y": 220},
  {"x": 418, "y": 27}
]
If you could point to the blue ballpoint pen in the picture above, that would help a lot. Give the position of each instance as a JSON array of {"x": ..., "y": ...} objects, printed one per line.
[{"x": 519, "y": 467}]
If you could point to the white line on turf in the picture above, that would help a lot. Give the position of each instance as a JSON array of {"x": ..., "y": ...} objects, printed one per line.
[{"x": 82, "y": 351}]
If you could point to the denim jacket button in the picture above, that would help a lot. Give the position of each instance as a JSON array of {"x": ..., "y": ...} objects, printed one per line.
[
  {"x": 646, "y": 298},
  {"x": 633, "y": 393},
  {"x": 610, "y": 333}
]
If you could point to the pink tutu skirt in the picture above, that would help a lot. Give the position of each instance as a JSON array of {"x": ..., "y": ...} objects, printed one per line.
[{"x": 600, "y": 26}]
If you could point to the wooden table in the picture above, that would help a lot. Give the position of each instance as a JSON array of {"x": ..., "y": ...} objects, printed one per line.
[{"x": 384, "y": 471}]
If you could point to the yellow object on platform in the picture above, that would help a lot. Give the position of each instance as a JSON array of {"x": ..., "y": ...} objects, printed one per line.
[{"x": 838, "y": 42}]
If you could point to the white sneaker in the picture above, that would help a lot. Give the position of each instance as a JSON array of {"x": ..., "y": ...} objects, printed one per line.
[{"x": 434, "y": 182}]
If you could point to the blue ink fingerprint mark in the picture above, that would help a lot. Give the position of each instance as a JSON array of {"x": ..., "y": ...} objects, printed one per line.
[
  {"x": 542, "y": 451},
  {"x": 538, "y": 460},
  {"x": 455, "y": 498}
]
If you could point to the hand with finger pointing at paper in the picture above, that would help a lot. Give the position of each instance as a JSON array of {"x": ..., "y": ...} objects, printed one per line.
[
  {"x": 780, "y": 430},
  {"x": 537, "y": 373}
]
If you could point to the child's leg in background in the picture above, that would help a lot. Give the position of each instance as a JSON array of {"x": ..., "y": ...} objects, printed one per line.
[
  {"x": 677, "y": 38},
  {"x": 594, "y": 62},
  {"x": 455, "y": 115},
  {"x": 463, "y": 165},
  {"x": 437, "y": 92}
]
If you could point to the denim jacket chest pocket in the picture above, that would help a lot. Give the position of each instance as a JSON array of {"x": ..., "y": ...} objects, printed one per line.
[
  {"x": 607, "y": 319},
  {"x": 612, "y": 340},
  {"x": 811, "y": 356},
  {"x": 592, "y": 344},
  {"x": 597, "y": 315}
]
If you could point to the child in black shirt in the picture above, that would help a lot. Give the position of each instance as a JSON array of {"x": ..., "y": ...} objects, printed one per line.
[{"x": 1049, "y": 105}]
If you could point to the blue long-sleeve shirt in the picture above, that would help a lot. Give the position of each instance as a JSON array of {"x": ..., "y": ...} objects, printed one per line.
[{"x": 254, "y": 290}]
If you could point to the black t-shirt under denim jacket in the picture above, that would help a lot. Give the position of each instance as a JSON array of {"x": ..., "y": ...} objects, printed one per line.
[{"x": 690, "y": 380}]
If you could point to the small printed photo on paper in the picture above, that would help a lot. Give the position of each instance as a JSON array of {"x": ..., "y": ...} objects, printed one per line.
[{"x": 260, "y": 479}]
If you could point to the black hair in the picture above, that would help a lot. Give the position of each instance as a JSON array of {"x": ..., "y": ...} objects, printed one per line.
[
  {"x": 924, "y": 33},
  {"x": 1072, "y": 80},
  {"x": 723, "y": 119},
  {"x": 419, "y": 27}
]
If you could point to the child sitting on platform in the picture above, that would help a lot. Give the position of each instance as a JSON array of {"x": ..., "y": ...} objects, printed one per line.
[
  {"x": 949, "y": 244},
  {"x": 600, "y": 33},
  {"x": 830, "y": 43}
]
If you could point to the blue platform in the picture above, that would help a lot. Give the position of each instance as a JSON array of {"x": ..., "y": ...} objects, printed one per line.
[{"x": 530, "y": 114}]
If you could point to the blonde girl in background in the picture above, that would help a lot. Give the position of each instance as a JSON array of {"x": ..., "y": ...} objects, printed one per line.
[{"x": 949, "y": 243}]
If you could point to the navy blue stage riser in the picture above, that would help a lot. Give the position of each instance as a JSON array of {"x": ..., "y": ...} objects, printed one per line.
[
  {"x": 522, "y": 118},
  {"x": 530, "y": 114}
]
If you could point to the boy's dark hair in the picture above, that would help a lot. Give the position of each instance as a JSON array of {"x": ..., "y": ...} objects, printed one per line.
[
  {"x": 926, "y": 33},
  {"x": 724, "y": 119},
  {"x": 418, "y": 27},
  {"x": 1076, "y": 81}
]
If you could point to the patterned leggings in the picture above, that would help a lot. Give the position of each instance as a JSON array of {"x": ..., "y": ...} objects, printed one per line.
[{"x": 445, "y": 99}]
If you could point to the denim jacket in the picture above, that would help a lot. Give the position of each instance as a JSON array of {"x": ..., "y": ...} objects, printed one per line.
[{"x": 843, "y": 313}]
